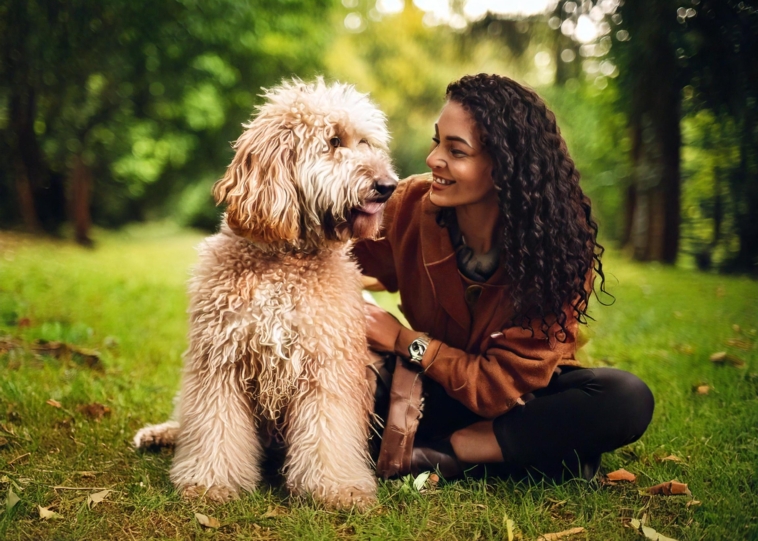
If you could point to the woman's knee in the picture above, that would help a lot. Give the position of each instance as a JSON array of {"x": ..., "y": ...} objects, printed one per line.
[{"x": 630, "y": 397}]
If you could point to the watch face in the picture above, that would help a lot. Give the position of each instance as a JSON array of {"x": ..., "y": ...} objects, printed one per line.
[{"x": 417, "y": 348}]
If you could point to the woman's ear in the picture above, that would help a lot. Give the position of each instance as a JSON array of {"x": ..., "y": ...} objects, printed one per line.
[{"x": 259, "y": 186}]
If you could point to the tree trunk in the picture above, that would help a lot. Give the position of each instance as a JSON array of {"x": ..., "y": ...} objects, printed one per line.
[
  {"x": 27, "y": 156},
  {"x": 745, "y": 187},
  {"x": 80, "y": 195},
  {"x": 652, "y": 227}
]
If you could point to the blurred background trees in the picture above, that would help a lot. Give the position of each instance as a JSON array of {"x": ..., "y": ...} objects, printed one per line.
[{"x": 116, "y": 111}]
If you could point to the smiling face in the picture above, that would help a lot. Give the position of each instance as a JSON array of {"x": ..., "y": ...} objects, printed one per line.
[{"x": 461, "y": 167}]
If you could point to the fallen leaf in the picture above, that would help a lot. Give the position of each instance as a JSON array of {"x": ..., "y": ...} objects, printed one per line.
[
  {"x": 648, "y": 532},
  {"x": 94, "y": 411},
  {"x": 671, "y": 488},
  {"x": 685, "y": 348},
  {"x": 11, "y": 500},
  {"x": 434, "y": 479},
  {"x": 560, "y": 535},
  {"x": 208, "y": 522},
  {"x": 670, "y": 458},
  {"x": 96, "y": 498},
  {"x": 272, "y": 512},
  {"x": 45, "y": 513},
  {"x": 703, "y": 389},
  {"x": 722, "y": 357},
  {"x": 718, "y": 357},
  {"x": 24, "y": 322},
  {"x": 3, "y": 442},
  {"x": 509, "y": 524},
  {"x": 693, "y": 503},
  {"x": 621, "y": 475},
  {"x": 737, "y": 343},
  {"x": 54, "y": 349},
  {"x": 420, "y": 480},
  {"x": 54, "y": 403},
  {"x": 88, "y": 357}
]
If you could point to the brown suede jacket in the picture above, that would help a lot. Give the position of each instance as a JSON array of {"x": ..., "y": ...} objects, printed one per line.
[{"x": 476, "y": 355}]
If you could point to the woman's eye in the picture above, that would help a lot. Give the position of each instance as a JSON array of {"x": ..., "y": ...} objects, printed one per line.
[{"x": 335, "y": 142}]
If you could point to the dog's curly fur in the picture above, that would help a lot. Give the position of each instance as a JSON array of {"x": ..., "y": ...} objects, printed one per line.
[{"x": 277, "y": 325}]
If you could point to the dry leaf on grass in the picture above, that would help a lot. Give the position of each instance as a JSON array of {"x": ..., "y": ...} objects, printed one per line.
[
  {"x": 94, "y": 411},
  {"x": 722, "y": 357},
  {"x": 739, "y": 343},
  {"x": 434, "y": 479},
  {"x": 96, "y": 498},
  {"x": 11, "y": 500},
  {"x": 670, "y": 458},
  {"x": 54, "y": 403},
  {"x": 648, "y": 532},
  {"x": 46, "y": 514},
  {"x": 420, "y": 480},
  {"x": 3, "y": 442},
  {"x": 60, "y": 350},
  {"x": 702, "y": 389},
  {"x": 621, "y": 475},
  {"x": 509, "y": 527},
  {"x": 560, "y": 535},
  {"x": 208, "y": 522},
  {"x": 693, "y": 503},
  {"x": 272, "y": 512},
  {"x": 671, "y": 488}
]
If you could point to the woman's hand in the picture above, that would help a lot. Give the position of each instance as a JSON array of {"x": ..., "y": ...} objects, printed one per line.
[{"x": 382, "y": 328}]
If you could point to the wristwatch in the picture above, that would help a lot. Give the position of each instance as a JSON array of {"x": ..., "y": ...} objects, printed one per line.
[{"x": 417, "y": 349}]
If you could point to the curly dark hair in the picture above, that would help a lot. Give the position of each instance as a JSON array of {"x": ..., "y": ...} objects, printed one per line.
[{"x": 550, "y": 237}]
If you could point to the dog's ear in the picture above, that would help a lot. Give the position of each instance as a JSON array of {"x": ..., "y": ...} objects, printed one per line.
[{"x": 258, "y": 186}]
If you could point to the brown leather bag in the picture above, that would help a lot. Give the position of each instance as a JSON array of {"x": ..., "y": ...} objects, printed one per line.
[{"x": 405, "y": 409}]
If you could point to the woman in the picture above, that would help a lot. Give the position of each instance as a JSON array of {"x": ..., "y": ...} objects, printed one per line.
[{"x": 493, "y": 255}]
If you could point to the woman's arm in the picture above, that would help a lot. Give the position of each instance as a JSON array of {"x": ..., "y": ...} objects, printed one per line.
[{"x": 513, "y": 364}]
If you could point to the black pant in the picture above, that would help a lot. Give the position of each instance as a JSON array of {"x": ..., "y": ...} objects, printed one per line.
[{"x": 581, "y": 414}]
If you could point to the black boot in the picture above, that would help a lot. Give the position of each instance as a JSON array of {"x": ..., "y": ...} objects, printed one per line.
[{"x": 436, "y": 457}]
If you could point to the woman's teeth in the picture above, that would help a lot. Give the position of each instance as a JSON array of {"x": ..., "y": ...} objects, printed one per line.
[{"x": 443, "y": 181}]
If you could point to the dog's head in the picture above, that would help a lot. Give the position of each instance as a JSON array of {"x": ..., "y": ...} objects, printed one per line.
[{"x": 311, "y": 165}]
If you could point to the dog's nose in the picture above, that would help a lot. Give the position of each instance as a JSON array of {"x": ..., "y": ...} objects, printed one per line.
[{"x": 384, "y": 187}]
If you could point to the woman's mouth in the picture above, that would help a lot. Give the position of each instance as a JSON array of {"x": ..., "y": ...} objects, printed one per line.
[{"x": 440, "y": 183}]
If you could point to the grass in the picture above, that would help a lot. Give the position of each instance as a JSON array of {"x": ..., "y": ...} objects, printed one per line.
[{"x": 126, "y": 300}]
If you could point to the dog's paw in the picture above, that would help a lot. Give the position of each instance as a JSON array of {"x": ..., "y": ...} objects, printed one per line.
[
  {"x": 349, "y": 499},
  {"x": 153, "y": 436},
  {"x": 215, "y": 493}
]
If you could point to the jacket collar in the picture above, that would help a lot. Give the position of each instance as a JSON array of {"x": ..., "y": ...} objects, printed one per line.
[
  {"x": 440, "y": 263},
  {"x": 442, "y": 268}
]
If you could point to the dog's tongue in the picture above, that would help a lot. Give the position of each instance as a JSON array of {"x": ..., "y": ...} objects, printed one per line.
[{"x": 371, "y": 208}]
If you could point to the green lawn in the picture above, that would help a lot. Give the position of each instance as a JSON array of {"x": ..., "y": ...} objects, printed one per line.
[{"x": 126, "y": 300}]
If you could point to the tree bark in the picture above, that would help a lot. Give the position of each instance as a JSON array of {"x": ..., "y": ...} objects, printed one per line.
[
  {"x": 27, "y": 155},
  {"x": 652, "y": 227},
  {"x": 80, "y": 195}
]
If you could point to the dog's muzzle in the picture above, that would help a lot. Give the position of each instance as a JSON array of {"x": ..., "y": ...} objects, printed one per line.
[{"x": 383, "y": 188}]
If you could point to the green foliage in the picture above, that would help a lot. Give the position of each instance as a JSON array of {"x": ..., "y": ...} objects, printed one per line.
[
  {"x": 148, "y": 94},
  {"x": 596, "y": 135},
  {"x": 127, "y": 300}
]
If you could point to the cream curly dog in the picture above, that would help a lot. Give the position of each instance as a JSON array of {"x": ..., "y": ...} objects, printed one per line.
[{"x": 277, "y": 325}]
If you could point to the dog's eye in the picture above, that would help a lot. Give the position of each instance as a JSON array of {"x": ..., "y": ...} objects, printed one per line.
[
  {"x": 364, "y": 142},
  {"x": 335, "y": 142}
]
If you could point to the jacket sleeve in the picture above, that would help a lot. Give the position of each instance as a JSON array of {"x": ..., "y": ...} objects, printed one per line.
[
  {"x": 375, "y": 256},
  {"x": 514, "y": 363}
]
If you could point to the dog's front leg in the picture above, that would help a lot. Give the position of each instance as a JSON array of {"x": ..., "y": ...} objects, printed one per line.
[
  {"x": 327, "y": 435},
  {"x": 217, "y": 449}
]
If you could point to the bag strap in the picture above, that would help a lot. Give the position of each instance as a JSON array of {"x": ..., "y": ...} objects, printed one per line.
[{"x": 402, "y": 421}]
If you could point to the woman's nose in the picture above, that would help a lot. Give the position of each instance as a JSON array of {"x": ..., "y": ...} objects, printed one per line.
[{"x": 433, "y": 161}]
